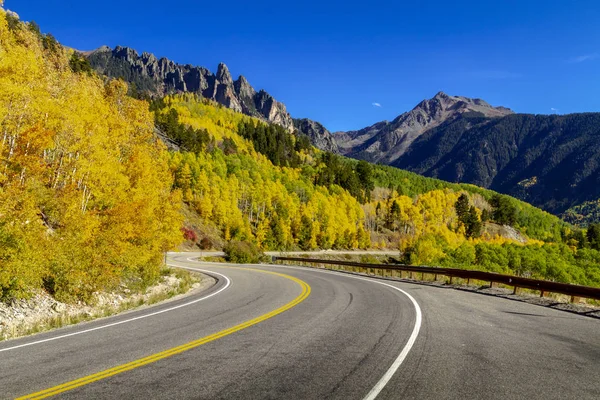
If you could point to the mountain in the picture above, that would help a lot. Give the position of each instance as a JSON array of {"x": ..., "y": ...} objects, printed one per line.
[
  {"x": 317, "y": 133},
  {"x": 385, "y": 142},
  {"x": 157, "y": 77},
  {"x": 90, "y": 199},
  {"x": 550, "y": 161}
]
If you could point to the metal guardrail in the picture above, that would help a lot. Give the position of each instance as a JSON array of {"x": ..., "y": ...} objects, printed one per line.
[{"x": 575, "y": 291}]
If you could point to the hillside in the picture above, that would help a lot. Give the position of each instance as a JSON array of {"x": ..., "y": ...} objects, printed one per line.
[
  {"x": 453, "y": 138},
  {"x": 548, "y": 160},
  {"x": 551, "y": 161},
  {"x": 91, "y": 198},
  {"x": 152, "y": 77},
  {"x": 295, "y": 197},
  {"x": 85, "y": 187}
]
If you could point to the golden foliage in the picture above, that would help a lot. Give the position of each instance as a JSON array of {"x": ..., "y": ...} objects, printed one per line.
[
  {"x": 85, "y": 189},
  {"x": 248, "y": 198}
]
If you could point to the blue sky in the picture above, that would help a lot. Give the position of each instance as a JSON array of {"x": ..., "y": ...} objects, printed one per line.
[{"x": 332, "y": 60}]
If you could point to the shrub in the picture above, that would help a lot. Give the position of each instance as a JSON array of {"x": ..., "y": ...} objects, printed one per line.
[
  {"x": 205, "y": 244},
  {"x": 242, "y": 252},
  {"x": 189, "y": 234}
]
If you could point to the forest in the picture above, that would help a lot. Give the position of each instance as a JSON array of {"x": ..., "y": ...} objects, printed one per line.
[
  {"x": 86, "y": 199},
  {"x": 90, "y": 198},
  {"x": 328, "y": 201}
]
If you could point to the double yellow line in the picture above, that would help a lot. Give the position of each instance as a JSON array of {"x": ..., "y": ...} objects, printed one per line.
[{"x": 53, "y": 391}]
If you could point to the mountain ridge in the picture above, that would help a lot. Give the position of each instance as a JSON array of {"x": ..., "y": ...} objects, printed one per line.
[
  {"x": 385, "y": 141},
  {"x": 160, "y": 76},
  {"x": 455, "y": 138}
]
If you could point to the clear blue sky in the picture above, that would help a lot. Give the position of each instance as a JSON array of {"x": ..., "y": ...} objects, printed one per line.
[{"x": 331, "y": 60}]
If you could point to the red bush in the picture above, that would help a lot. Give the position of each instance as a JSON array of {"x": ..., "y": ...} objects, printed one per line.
[{"x": 189, "y": 234}]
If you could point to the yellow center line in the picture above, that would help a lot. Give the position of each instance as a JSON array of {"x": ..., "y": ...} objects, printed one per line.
[{"x": 53, "y": 391}]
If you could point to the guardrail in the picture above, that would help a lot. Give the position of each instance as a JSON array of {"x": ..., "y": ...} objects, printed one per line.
[{"x": 575, "y": 291}]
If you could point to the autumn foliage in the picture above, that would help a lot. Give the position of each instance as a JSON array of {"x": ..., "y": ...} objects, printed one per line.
[
  {"x": 85, "y": 188},
  {"x": 90, "y": 198},
  {"x": 327, "y": 201}
]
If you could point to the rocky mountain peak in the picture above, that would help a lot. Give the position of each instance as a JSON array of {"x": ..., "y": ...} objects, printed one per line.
[
  {"x": 442, "y": 106},
  {"x": 441, "y": 96},
  {"x": 126, "y": 52},
  {"x": 223, "y": 74},
  {"x": 149, "y": 57},
  {"x": 243, "y": 88},
  {"x": 387, "y": 141},
  {"x": 318, "y": 134},
  {"x": 103, "y": 48},
  {"x": 158, "y": 77}
]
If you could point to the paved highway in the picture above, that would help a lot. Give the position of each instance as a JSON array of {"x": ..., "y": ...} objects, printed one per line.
[{"x": 293, "y": 333}]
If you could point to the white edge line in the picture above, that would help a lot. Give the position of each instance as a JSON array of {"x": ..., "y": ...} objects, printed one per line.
[
  {"x": 374, "y": 392},
  {"x": 400, "y": 359},
  {"x": 227, "y": 284}
]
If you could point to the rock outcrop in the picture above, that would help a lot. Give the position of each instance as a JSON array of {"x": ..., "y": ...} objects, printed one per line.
[
  {"x": 317, "y": 133},
  {"x": 157, "y": 77}
]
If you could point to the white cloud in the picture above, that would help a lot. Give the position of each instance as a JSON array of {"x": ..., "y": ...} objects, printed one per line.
[
  {"x": 553, "y": 109},
  {"x": 376, "y": 105},
  {"x": 583, "y": 58}
]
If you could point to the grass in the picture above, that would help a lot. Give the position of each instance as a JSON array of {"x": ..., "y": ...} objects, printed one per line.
[{"x": 186, "y": 281}]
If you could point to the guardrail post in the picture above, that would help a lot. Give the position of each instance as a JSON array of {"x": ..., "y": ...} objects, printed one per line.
[
  {"x": 450, "y": 280},
  {"x": 542, "y": 293},
  {"x": 575, "y": 299},
  {"x": 516, "y": 290}
]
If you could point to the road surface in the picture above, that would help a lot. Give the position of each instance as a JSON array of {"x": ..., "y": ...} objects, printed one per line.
[{"x": 275, "y": 332}]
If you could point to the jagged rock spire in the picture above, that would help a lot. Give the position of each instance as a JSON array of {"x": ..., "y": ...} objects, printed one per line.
[{"x": 223, "y": 74}]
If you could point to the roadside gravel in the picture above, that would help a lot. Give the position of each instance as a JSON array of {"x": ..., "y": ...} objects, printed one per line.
[{"x": 42, "y": 312}]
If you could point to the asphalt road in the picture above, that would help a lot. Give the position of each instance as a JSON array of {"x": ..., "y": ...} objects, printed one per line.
[{"x": 293, "y": 333}]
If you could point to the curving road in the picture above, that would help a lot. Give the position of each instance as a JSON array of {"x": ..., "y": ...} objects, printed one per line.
[{"x": 294, "y": 333}]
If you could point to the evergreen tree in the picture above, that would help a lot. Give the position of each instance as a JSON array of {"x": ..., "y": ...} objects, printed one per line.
[
  {"x": 472, "y": 223},
  {"x": 80, "y": 64},
  {"x": 505, "y": 213},
  {"x": 593, "y": 236},
  {"x": 485, "y": 215},
  {"x": 393, "y": 214},
  {"x": 364, "y": 171},
  {"x": 462, "y": 207}
]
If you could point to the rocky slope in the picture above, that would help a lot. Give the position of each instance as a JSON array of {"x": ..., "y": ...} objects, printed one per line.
[
  {"x": 318, "y": 134},
  {"x": 385, "y": 141},
  {"x": 156, "y": 77}
]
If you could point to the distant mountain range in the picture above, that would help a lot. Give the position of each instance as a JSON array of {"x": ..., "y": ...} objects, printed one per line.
[
  {"x": 385, "y": 142},
  {"x": 550, "y": 161}
]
